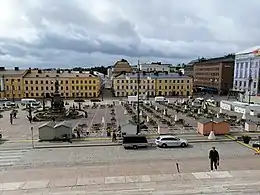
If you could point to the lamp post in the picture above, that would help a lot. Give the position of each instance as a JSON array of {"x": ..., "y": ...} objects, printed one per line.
[
  {"x": 12, "y": 85},
  {"x": 32, "y": 137},
  {"x": 249, "y": 88},
  {"x": 138, "y": 104}
]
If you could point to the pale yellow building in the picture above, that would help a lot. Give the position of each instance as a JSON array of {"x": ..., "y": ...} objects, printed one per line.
[
  {"x": 152, "y": 84},
  {"x": 40, "y": 83},
  {"x": 11, "y": 83}
]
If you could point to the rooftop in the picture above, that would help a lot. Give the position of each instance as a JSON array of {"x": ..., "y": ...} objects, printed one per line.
[
  {"x": 215, "y": 60},
  {"x": 153, "y": 76},
  {"x": 11, "y": 72},
  {"x": 55, "y": 74}
]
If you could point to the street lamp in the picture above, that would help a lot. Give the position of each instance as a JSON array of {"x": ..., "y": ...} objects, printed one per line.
[
  {"x": 148, "y": 83},
  {"x": 12, "y": 85},
  {"x": 138, "y": 104}
]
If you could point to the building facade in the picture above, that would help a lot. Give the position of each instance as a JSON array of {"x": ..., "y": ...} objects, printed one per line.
[
  {"x": 40, "y": 83},
  {"x": 155, "y": 67},
  {"x": 214, "y": 75},
  {"x": 246, "y": 71},
  {"x": 152, "y": 84},
  {"x": 11, "y": 83}
]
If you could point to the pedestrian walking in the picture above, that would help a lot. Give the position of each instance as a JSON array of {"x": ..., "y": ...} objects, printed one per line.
[
  {"x": 30, "y": 119},
  {"x": 11, "y": 118},
  {"x": 214, "y": 158}
]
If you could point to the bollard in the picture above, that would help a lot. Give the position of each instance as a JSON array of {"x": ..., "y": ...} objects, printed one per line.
[{"x": 177, "y": 167}]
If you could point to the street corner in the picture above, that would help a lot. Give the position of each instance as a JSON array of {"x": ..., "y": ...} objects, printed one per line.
[{"x": 250, "y": 147}]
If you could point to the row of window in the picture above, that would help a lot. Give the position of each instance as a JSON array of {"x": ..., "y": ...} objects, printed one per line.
[
  {"x": 213, "y": 69},
  {"x": 160, "y": 93},
  {"x": 152, "y": 87},
  {"x": 207, "y": 73},
  {"x": 244, "y": 84},
  {"x": 152, "y": 81},
  {"x": 61, "y": 88},
  {"x": 40, "y": 95},
  {"x": 61, "y": 82}
]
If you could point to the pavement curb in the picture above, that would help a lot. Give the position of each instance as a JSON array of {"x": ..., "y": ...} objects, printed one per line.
[
  {"x": 119, "y": 144},
  {"x": 76, "y": 146},
  {"x": 241, "y": 143}
]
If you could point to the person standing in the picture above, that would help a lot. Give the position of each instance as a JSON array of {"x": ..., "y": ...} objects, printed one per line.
[
  {"x": 11, "y": 118},
  {"x": 214, "y": 158}
]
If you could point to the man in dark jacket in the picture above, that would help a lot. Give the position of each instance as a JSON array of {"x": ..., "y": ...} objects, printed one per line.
[{"x": 214, "y": 158}]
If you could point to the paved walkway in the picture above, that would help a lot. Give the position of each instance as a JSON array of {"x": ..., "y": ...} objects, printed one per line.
[{"x": 163, "y": 184}]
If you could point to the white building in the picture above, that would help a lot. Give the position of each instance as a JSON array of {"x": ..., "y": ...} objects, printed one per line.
[
  {"x": 152, "y": 67},
  {"x": 247, "y": 66}
]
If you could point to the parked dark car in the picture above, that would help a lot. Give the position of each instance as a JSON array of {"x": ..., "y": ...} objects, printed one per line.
[
  {"x": 256, "y": 144},
  {"x": 95, "y": 100},
  {"x": 134, "y": 141},
  {"x": 79, "y": 100}
]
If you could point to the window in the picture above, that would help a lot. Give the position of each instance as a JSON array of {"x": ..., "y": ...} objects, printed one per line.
[
  {"x": 46, "y": 82},
  {"x": 36, "y": 88},
  {"x": 32, "y": 88},
  {"x": 36, "y": 82},
  {"x": 51, "y": 88},
  {"x": 67, "y": 82},
  {"x": 73, "y": 88},
  {"x": 86, "y": 87},
  {"x": 37, "y": 75},
  {"x": 36, "y": 94},
  {"x": 42, "y": 88},
  {"x": 67, "y": 88},
  {"x": 47, "y": 88},
  {"x": 32, "y": 94},
  {"x": 41, "y": 82},
  {"x": 26, "y": 88},
  {"x": 72, "y": 81},
  {"x": 26, "y": 82},
  {"x": 77, "y": 82},
  {"x": 81, "y": 82},
  {"x": 47, "y": 75}
]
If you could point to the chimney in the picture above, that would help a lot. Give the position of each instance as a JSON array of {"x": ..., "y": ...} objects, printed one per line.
[
  {"x": 39, "y": 71},
  {"x": 58, "y": 71},
  {"x": 29, "y": 70},
  {"x": 16, "y": 68},
  {"x": 69, "y": 71}
]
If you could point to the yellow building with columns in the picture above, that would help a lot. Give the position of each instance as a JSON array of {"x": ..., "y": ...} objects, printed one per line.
[
  {"x": 11, "y": 83},
  {"x": 152, "y": 84},
  {"x": 40, "y": 83}
]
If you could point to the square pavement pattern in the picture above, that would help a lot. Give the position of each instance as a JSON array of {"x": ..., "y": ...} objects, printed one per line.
[{"x": 222, "y": 182}]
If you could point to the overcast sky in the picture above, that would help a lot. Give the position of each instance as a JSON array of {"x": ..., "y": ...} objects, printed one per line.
[{"x": 67, "y": 33}]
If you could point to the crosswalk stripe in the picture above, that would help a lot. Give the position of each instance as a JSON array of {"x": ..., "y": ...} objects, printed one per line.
[{"x": 10, "y": 157}]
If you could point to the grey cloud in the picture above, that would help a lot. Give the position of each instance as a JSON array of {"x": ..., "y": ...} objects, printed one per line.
[{"x": 172, "y": 31}]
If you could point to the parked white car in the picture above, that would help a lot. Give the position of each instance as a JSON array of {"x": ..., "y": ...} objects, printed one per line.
[{"x": 170, "y": 141}]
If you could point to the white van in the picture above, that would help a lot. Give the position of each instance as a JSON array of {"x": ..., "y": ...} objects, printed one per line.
[
  {"x": 161, "y": 99},
  {"x": 28, "y": 101}
]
